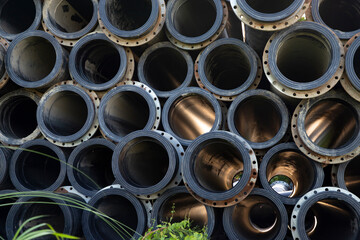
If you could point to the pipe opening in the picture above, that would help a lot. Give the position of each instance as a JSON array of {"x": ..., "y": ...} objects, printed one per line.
[
  {"x": 356, "y": 62},
  {"x": 285, "y": 173},
  {"x": 332, "y": 219},
  {"x": 266, "y": 6},
  {"x": 185, "y": 206},
  {"x": 216, "y": 164},
  {"x": 126, "y": 112},
  {"x": 227, "y": 67},
  {"x": 97, "y": 62},
  {"x": 70, "y": 15},
  {"x": 256, "y": 217},
  {"x": 128, "y": 15},
  {"x": 143, "y": 162},
  {"x": 347, "y": 14},
  {"x": 191, "y": 116},
  {"x": 18, "y": 117},
  {"x": 36, "y": 171},
  {"x": 304, "y": 56},
  {"x": 94, "y": 162},
  {"x": 326, "y": 125},
  {"x": 193, "y": 18},
  {"x": 118, "y": 208},
  {"x": 33, "y": 58},
  {"x": 165, "y": 69},
  {"x": 65, "y": 113},
  {"x": 352, "y": 176},
  {"x": 257, "y": 119},
  {"x": 16, "y": 16}
]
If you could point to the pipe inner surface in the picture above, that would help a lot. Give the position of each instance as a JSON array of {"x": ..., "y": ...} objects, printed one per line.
[
  {"x": 352, "y": 176},
  {"x": 269, "y": 6}
]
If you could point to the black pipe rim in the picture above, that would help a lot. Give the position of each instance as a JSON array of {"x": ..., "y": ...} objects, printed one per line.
[
  {"x": 155, "y": 47},
  {"x": 89, "y": 120},
  {"x": 305, "y": 27},
  {"x": 228, "y": 212},
  {"x": 349, "y": 64},
  {"x": 277, "y": 103},
  {"x": 35, "y": 24},
  {"x": 193, "y": 40},
  {"x": 188, "y": 174},
  {"x": 4, "y": 163},
  {"x": 316, "y": 167},
  {"x": 270, "y": 17},
  {"x": 132, "y": 33},
  {"x": 87, "y": 215},
  {"x": 170, "y": 173},
  {"x": 59, "y": 62},
  {"x": 189, "y": 91},
  {"x": 73, "y": 157},
  {"x": 82, "y": 80},
  {"x": 77, "y": 34}
]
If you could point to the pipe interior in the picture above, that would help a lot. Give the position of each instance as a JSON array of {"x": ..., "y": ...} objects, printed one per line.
[
  {"x": 217, "y": 165},
  {"x": 98, "y": 61},
  {"x": 18, "y": 117},
  {"x": 332, "y": 219},
  {"x": 347, "y": 14},
  {"x": 191, "y": 116},
  {"x": 256, "y": 217},
  {"x": 16, "y": 16},
  {"x": 356, "y": 62},
  {"x": 352, "y": 176},
  {"x": 326, "y": 125},
  {"x": 257, "y": 119},
  {"x": 165, "y": 69},
  {"x": 70, "y": 15},
  {"x": 65, "y": 113},
  {"x": 126, "y": 112},
  {"x": 185, "y": 206},
  {"x": 144, "y": 162},
  {"x": 94, "y": 162},
  {"x": 227, "y": 67},
  {"x": 36, "y": 171},
  {"x": 304, "y": 56},
  {"x": 128, "y": 15},
  {"x": 118, "y": 208},
  {"x": 33, "y": 58},
  {"x": 193, "y": 18},
  {"x": 290, "y": 165},
  {"x": 266, "y": 6}
]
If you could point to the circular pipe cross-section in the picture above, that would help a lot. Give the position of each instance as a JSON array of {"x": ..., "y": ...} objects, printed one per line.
[
  {"x": 89, "y": 166},
  {"x": 219, "y": 169},
  {"x": 67, "y": 114},
  {"x": 18, "y": 117},
  {"x": 321, "y": 131},
  {"x": 127, "y": 108},
  {"x": 38, "y": 165},
  {"x": 193, "y": 25},
  {"x": 326, "y": 213},
  {"x": 166, "y": 69},
  {"x": 260, "y": 117},
  {"x": 190, "y": 113},
  {"x": 228, "y": 67},
  {"x": 146, "y": 163},
  {"x": 5, "y": 157},
  {"x": 36, "y": 60},
  {"x": 18, "y": 16},
  {"x": 132, "y": 23},
  {"x": 98, "y": 64},
  {"x": 282, "y": 172},
  {"x": 260, "y": 216},
  {"x": 121, "y": 206},
  {"x": 69, "y": 20},
  {"x": 347, "y": 176},
  {"x": 306, "y": 60}
]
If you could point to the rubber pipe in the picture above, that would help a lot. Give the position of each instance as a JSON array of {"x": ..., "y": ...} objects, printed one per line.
[
  {"x": 4, "y": 77},
  {"x": 5, "y": 157}
]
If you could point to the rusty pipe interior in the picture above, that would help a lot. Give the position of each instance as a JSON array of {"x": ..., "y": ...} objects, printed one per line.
[{"x": 352, "y": 176}]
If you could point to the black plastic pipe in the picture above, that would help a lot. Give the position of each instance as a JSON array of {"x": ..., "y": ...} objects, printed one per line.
[
  {"x": 347, "y": 176},
  {"x": 351, "y": 77},
  {"x": 5, "y": 157},
  {"x": 4, "y": 210},
  {"x": 4, "y": 77}
]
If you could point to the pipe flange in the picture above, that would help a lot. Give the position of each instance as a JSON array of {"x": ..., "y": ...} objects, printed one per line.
[
  {"x": 296, "y": 93},
  {"x": 93, "y": 126},
  {"x": 224, "y": 97},
  {"x": 200, "y": 45},
  {"x": 270, "y": 26},
  {"x": 5, "y": 77},
  {"x": 304, "y": 143},
  {"x": 70, "y": 189},
  {"x": 134, "y": 42}
]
